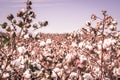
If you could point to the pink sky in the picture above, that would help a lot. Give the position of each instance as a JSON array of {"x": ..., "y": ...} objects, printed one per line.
[{"x": 63, "y": 15}]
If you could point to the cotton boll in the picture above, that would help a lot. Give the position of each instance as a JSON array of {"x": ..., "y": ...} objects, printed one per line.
[
  {"x": 87, "y": 76},
  {"x": 27, "y": 74},
  {"x": 81, "y": 44},
  {"x": 48, "y": 41},
  {"x": 21, "y": 49},
  {"x": 42, "y": 43},
  {"x": 88, "y": 23},
  {"x": 6, "y": 75},
  {"x": 74, "y": 44},
  {"x": 27, "y": 36},
  {"x": 116, "y": 71},
  {"x": 99, "y": 46},
  {"x": 82, "y": 58},
  {"x": 53, "y": 75},
  {"x": 68, "y": 58},
  {"x": 112, "y": 27},
  {"x": 58, "y": 71},
  {"x": 89, "y": 47},
  {"x": 74, "y": 74},
  {"x": 33, "y": 53},
  {"x": 97, "y": 71}
]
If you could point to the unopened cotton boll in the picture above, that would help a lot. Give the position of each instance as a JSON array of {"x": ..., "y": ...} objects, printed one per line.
[
  {"x": 42, "y": 43},
  {"x": 88, "y": 23}
]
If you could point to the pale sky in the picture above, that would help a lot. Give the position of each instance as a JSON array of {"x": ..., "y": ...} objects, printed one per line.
[{"x": 62, "y": 15}]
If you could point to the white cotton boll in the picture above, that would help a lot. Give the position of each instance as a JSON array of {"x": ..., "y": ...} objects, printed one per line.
[
  {"x": 21, "y": 49},
  {"x": 33, "y": 53},
  {"x": 38, "y": 66},
  {"x": 68, "y": 58},
  {"x": 27, "y": 74},
  {"x": 42, "y": 43},
  {"x": 82, "y": 58},
  {"x": 8, "y": 68},
  {"x": 58, "y": 71},
  {"x": 21, "y": 66},
  {"x": 73, "y": 44},
  {"x": 53, "y": 74},
  {"x": 27, "y": 36},
  {"x": 48, "y": 41},
  {"x": 89, "y": 47},
  {"x": 6, "y": 75},
  {"x": 3, "y": 66},
  {"x": 99, "y": 46},
  {"x": 35, "y": 34},
  {"x": 114, "y": 22},
  {"x": 116, "y": 71},
  {"x": 23, "y": 10},
  {"x": 87, "y": 76},
  {"x": 112, "y": 27},
  {"x": 108, "y": 42},
  {"x": 73, "y": 74},
  {"x": 18, "y": 61},
  {"x": 97, "y": 71},
  {"x": 81, "y": 44}
]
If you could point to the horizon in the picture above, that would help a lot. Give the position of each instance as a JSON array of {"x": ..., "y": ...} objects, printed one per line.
[{"x": 63, "y": 16}]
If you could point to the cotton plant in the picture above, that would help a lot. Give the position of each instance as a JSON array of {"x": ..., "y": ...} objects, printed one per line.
[
  {"x": 24, "y": 22},
  {"x": 100, "y": 40}
]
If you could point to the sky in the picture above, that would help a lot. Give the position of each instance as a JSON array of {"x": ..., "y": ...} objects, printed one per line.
[{"x": 62, "y": 15}]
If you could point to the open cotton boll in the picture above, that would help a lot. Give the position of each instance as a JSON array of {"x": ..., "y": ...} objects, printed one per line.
[
  {"x": 21, "y": 49},
  {"x": 42, "y": 43},
  {"x": 108, "y": 42},
  {"x": 73, "y": 74},
  {"x": 48, "y": 41},
  {"x": 68, "y": 58},
  {"x": 82, "y": 58},
  {"x": 87, "y": 76},
  {"x": 89, "y": 47},
  {"x": 27, "y": 36},
  {"x": 58, "y": 71},
  {"x": 6, "y": 75},
  {"x": 74, "y": 44},
  {"x": 81, "y": 44},
  {"x": 27, "y": 74}
]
